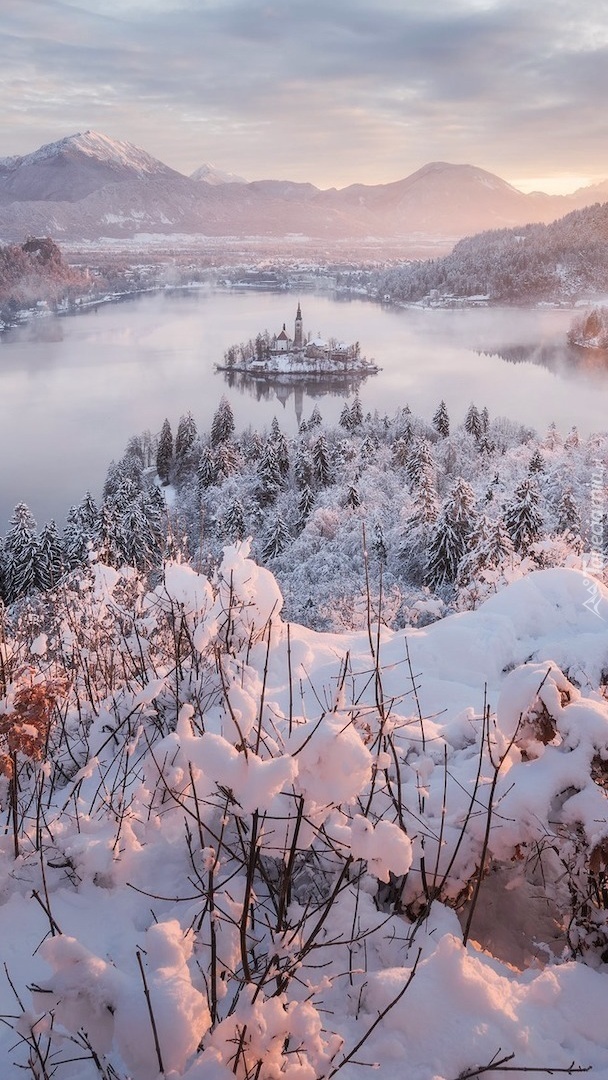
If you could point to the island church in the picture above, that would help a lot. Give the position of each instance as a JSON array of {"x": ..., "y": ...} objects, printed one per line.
[
  {"x": 282, "y": 343},
  {"x": 334, "y": 352}
]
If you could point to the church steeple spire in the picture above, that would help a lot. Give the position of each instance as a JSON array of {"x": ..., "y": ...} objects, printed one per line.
[{"x": 298, "y": 337}]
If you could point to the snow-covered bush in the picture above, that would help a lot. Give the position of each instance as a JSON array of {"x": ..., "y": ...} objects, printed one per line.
[{"x": 245, "y": 847}]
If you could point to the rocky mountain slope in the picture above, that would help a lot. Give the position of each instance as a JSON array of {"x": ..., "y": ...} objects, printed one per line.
[{"x": 88, "y": 186}]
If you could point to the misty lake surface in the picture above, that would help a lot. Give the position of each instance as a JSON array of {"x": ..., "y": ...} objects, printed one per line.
[{"x": 75, "y": 388}]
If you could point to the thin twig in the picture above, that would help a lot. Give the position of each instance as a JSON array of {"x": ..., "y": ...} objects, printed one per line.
[{"x": 159, "y": 1056}]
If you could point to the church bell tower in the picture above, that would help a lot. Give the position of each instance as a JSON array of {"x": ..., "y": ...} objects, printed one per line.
[{"x": 298, "y": 340}]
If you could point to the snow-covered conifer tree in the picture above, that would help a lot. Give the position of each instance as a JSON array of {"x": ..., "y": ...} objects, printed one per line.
[
  {"x": 207, "y": 473},
  {"x": 164, "y": 452},
  {"x": 400, "y": 452},
  {"x": 233, "y": 524},
  {"x": 569, "y": 518},
  {"x": 368, "y": 451},
  {"x": 277, "y": 539},
  {"x": 441, "y": 420},
  {"x": 444, "y": 552},
  {"x": 451, "y": 534},
  {"x": 305, "y": 502},
  {"x": 315, "y": 417},
  {"x": 344, "y": 420},
  {"x": 227, "y": 460},
  {"x": 303, "y": 468},
  {"x": 269, "y": 474},
  {"x": 20, "y": 551},
  {"x": 472, "y": 422},
  {"x": 109, "y": 542},
  {"x": 49, "y": 557},
  {"x": 379, "y": 543},
  {"x": 186, "y": 435},
  {"x": 281, "y": 448},
  {"x": 536, "y": 463},
  {"x": 522, "y": 517},
  {"x": 356, "y": 413},
  {"x": 321, "y": 461},
  {"x": 572, "y": 439},
  {"x": 222, "y": 425},
  {"x": 419, "y": 460}
]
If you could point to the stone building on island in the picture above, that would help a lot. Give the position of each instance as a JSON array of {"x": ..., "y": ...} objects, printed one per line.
[{"x": 300, "y": 348}]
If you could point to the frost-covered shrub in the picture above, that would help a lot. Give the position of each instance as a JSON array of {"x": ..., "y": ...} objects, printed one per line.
[{"x": 243, "y": 838}]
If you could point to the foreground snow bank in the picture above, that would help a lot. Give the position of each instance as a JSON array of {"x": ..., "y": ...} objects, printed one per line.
[{"x": 239, "y": 847}]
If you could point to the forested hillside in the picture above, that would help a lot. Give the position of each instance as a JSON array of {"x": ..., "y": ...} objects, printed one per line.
[
  {"x": 564, "y": 260},
  {"x": 34, "y": 272}
]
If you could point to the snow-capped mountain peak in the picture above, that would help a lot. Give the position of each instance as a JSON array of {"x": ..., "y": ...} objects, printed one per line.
[
  {"x": 94, "y": 145},
  {"x": 209, "y": 174},
  {"x": 73, "y": 167}
]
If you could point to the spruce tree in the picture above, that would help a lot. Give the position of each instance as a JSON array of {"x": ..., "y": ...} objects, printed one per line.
[
  {"x": 536, "y": 463},
  {"x": 110, "y": 551},
  {"x": 522, "y": 516},
  {"x": 303, "y": 468},
  {"x": 20, "y": 552},
  {"x": 222, "y": 425},
  {"x": 345, "y": 420},
  {"x": 269, "y": 474},
  {"x": 368, "y": 451},
  {"x": 321, "y": 461},
  {"x": 473, "y": 423},
  {"x": 356, "y": 413},
  {"x": 419, "y": 461},
  {"x": 315, "y": 417},
  {"x": 444, "y": 552},
  {"x": 281, "y": 450},
  {"x": 233, "y": 524},
  {"x": 49, "y": 557},
  {"x": 305, "y": 503},
  {"x": 164, "y": 453},
  {"x": 572, "y": 439},
  {"x": 207, "y": 474},
  {"x": 441, "y": 420},
  {"x": 568, "y": 517},
  {"x": 400, "y": 452},
  {"x": 186, "y": 436},
  {"x": 277, "y": 539},
  {"x": 379, "y": 542},
  {"x": 451, "y": 534},
  {"x": 227, "y": 460}
]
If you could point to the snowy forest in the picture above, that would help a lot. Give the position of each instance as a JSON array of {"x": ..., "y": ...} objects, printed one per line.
[
  {"x": 561, "y": 261},
  {"x": 303, "y": 757},
  {"x": 445, "y": 514}
]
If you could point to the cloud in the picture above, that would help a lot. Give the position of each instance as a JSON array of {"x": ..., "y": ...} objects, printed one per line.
[{"x": 328, "y": 91}]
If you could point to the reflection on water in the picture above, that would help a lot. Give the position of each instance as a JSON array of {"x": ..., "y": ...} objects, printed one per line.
[
  {"x": 281, "y": 388},
  {"x": 568, "y": 361}
]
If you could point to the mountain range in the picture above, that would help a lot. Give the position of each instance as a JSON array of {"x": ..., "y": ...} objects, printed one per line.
[{"x": 88, "y": 186}]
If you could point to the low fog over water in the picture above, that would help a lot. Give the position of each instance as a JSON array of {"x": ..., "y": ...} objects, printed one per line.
[{"x": 75, "y": 388}]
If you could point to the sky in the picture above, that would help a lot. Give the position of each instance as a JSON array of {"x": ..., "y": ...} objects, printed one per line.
[{"x": 327, "y": 91}]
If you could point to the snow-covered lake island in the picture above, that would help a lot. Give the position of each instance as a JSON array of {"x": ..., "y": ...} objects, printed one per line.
[{"x": 278, "y": 355}]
